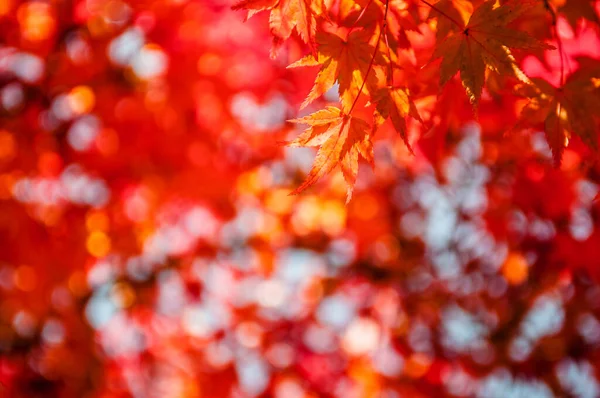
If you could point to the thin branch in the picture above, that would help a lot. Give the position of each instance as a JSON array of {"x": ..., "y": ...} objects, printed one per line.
[
  {"x": 383, "y": 28},
  {"x": 390, "y": 78},
  {"x": 360, "y": 15}
]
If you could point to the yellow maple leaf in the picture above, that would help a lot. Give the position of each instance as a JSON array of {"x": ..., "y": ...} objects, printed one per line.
[
  {"x": 486, "y": 41},
  {"x": 341, "y": 140}
]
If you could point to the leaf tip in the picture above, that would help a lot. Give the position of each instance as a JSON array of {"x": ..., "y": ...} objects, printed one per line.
[{"x": 349, "y": 195}]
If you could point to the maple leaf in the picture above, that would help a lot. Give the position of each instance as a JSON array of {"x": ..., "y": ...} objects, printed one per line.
[
  {"x": 285, "y": 16},
  {"x": 450, "y": 16},
  {"x": 411, "y": 7},
  {"x": 396, "y": 104},
  {"x": 403, "y": 16},
  {"x": 345, "y": 61},
  {"x": 486, "y": 41},
  {"x": 574, "y": 10},
  {"x": 367, "y": 12},
  {"x": 341, "y": 139},
  {"x": 570, "y": 108}
]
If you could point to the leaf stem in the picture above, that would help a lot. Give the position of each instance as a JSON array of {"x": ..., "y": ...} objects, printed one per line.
[
  {"x": 383, "y": 28},
  {"x": 360, "y": 15},
  {"x": 558, "y": 41},
  {"x": 390, "y": 78}
]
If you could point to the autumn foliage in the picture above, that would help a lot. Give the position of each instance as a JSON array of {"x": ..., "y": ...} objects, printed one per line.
[
  {"x": 164, "y": 232},
  {"x": 361, "y": 48}
]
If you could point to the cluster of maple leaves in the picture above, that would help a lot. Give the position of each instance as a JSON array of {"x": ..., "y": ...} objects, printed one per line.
[{"x": 380, "y": 51}]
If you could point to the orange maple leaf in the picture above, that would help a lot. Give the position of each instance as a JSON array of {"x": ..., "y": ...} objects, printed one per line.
[
  {"x": 395, "y": 103},
  {"x": 403, "y": 16},
  {"x": 450, "y": 16},
  {"x": 285, "y": 16},
  {"x": 341, "y": 139},
  {"x": 345, "y": 61},
  {"x": 571, "y": 108},
  {"x": 485, "y": 41}
]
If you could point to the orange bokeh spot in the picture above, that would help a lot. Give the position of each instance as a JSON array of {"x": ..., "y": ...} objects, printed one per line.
[
  {"x": 314, "y": 291},
  {"x": 305, "y": 217},
  {"x": 97, "y": 221},
  {"x": 515, "y": 268},
  {"x": 570, "y": 160},
  {"x": 365, "y": 207},
  {"x": 312, "y": 214},
  {"x": 417, "y": 365},
  {"x": 5, "y": 7},
  {"x": 333, "y": 217},
  {"x": 364, "y": 375},
  {"x": 6, "y": 183},
  {"x": 25, "y": 278},
  {"x": 209, "y": 64},
  {"x": 250, "y": 183},
  {"x": 279, "y": 201},
  {"x": 98, "y": 244},
  {"x": 8, "y": 146},
  {"x": 97, "y": 26},
  {"x": 81, "y": 99},
  {"x": 77, "y": 283},
  {"x": 36, "y": 20}
]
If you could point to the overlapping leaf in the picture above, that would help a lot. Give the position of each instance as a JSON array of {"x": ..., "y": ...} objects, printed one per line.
[
  {"x": 345, "y": 61},
  {"x": 287, "y": 15},
  {"x": 572, "y": 108},
  {"x": 403, "y": 16},
  {"x": 575, "y": 10},
  {"x": 395, "y": 103},
  {"x": 451, "y": 16},
  {"x": 340, "y": 138},
  {"x": 485, "y": 42}
]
